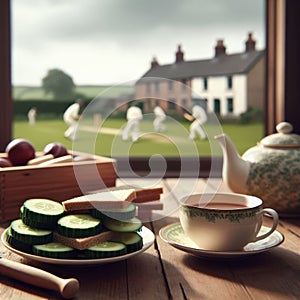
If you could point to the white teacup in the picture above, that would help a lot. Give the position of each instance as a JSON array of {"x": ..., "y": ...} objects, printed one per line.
[{"x": 224, "y": 221}]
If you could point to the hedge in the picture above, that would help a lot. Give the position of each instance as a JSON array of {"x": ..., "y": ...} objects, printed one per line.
[{"x": 46, "y": 109}]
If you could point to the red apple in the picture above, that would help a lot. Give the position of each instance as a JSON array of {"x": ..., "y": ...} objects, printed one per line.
[
  {"x": 56, "y": 149},
  {"x": 20, "y": 151},
  {"x": 4, "y": 162}
]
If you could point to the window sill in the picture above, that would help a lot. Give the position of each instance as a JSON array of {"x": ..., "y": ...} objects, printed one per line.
[{"x": 175, "y": 167}]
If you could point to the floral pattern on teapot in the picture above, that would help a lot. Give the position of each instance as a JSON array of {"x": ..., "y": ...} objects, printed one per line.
[{"x": 276, "y": 179}]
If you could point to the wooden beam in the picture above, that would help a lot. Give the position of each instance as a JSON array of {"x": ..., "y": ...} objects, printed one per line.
[
  {"x": 274, "y": 106},
  {"x": 283, "y": 64},
  {"x": 292, "y": 64},
  {"x": 6, "y": 104}
]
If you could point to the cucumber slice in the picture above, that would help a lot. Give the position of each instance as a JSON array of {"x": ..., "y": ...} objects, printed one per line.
[
  {"x": 126, "y": 213},
  {"x": 54, "y": 250},
  {"x": 105, "y": 249},
  {"x": 42, "y": 212},
  {"x": 17, "y": 244},
  {"x": 79, "y": 226},
  {"x": 35, "y": 224},
  {"x": 132, "y": 240},
  {"x": 28, "y": 235},
  {"x": 133, "y": 224}
]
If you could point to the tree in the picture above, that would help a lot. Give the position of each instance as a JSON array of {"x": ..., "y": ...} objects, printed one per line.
[{"x": 58, "y": 83}]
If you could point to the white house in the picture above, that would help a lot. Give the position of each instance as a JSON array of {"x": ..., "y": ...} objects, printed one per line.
[{"x": 227, "y": 84}]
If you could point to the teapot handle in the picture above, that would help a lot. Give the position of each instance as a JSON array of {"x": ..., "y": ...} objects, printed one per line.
[{"x": 274, "y": 215}]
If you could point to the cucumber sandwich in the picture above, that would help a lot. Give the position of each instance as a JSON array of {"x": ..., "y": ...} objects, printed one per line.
[{"x": 45, "y": 229}]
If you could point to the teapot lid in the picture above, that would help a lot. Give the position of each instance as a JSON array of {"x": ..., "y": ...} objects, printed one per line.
[{"x": 283, "y": 138}]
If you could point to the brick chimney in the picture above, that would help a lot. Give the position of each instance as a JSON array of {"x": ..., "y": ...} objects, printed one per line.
[
  {"x": 250, "y": 43},
  {"x": 154, "y": 62},
  {"x": 220, "y": 49},
  {"x": 179, "y": 54}
]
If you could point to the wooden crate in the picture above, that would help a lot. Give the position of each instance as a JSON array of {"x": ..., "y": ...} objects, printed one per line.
[{"x": 58, "y": 182}]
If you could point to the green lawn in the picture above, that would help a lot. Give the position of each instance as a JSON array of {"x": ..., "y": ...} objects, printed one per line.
[{"x": 174, "y": 142}]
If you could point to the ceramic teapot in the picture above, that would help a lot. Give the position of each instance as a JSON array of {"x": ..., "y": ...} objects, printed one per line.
[{"x": 270, "y": 170}]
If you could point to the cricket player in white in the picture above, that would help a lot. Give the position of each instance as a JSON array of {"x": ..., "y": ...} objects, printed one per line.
[
  {"x": 198, "y": 118},
  {"x": 160, "y": 117},
  {"x": 132, "y": 129},
  {"x": 31, "y": 115},
  {"x": 71, "y": 117}
]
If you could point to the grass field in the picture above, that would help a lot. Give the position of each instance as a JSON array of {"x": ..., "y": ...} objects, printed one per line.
[{"x": 108, "y": 141}]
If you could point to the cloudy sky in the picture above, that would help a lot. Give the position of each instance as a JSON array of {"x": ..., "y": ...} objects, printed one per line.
[{"x": 113, "y": 41}]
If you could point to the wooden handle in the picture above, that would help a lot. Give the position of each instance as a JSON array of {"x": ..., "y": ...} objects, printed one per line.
[
  {"x": 58, "y": 160},
  {"x": 66, "y": 287},
  {"x": 40, "y": 159}
]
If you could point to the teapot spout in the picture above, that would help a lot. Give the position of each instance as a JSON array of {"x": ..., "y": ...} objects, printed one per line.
[{"x": 235, "y": 169}]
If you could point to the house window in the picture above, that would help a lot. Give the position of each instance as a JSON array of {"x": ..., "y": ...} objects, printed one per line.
[
  {"x": 205, "y": 83},
  {"x": 183, "y": 84},
  {"x": 230, "y": 105},
  {"x": 172, "y": 103},
  {"x": 184, "y": 102},
  {"x": 170, "y": 85},
  {"x": 204, "y": 103},
  {"x": 229, "y": 82},
  {"x": 148, "y": 87},
  {"x": 217, "y": 106},
  {"x": 156, "y": 86}
]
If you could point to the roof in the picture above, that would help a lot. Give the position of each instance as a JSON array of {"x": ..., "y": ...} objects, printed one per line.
[{"x": 227, "y": 64}]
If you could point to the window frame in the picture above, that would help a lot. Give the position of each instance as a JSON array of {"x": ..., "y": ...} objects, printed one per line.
[
  {"x": 282, "y": 61},
  {"x": 229, "y": 105},
  {"x": 229, "y": 82},
  {"x": 205, "y": 83},
  {"x": 157, "y": 86},
  {"x": 217, "y": 106},
  {"x": 148, "y": 87},
  {"x": 6, "y": 112}
]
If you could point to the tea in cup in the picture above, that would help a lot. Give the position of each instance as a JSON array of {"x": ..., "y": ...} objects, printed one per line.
[{"x": 224, "y": 221}]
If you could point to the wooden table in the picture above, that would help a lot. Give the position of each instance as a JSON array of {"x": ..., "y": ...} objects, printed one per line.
[{"x": 163, "y": 272}]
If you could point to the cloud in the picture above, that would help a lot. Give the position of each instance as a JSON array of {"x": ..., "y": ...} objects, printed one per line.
[
  {"x": 118, "y": 31},
  {"x": 79, "y": 19}
]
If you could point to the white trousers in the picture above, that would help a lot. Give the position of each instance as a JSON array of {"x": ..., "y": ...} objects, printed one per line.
[
  {"x": 195, "y": 129},
  {"x": 31, "y": 120},
  {"x": 132, "y": 129},
  {"x": 70, "y": 133},
  {"x": 158, "y": 124}
]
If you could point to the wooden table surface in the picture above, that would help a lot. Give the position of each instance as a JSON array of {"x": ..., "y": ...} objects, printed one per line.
[{"x": 163, "y": 272}]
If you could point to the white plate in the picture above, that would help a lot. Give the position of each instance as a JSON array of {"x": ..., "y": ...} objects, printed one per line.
[
  {"x": 174, "y": 235},
  {"x": 146, "y": 234}
]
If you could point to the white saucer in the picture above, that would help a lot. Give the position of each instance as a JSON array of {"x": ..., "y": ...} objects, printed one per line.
[
  {"x": 145, "y": 233},
  {"x": 174, "y": 235}
]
